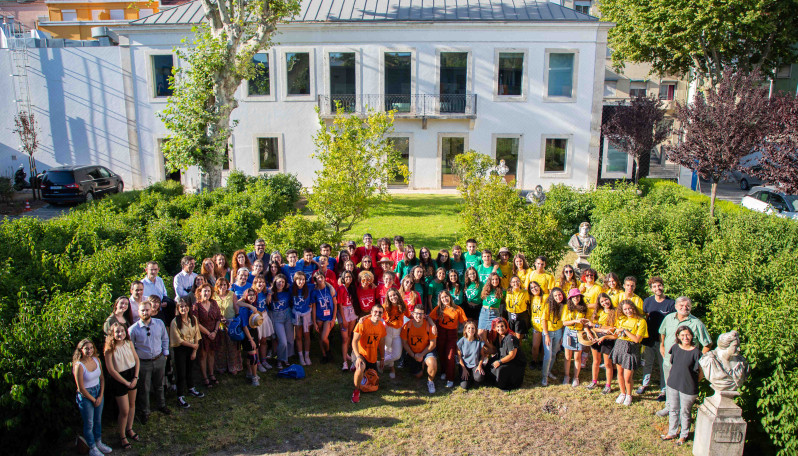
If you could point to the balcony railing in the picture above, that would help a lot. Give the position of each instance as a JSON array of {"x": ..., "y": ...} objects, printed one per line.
[{"x": 405, "y": 105}]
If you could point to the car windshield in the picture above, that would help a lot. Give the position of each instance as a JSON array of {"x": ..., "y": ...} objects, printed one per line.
[
  {"x": 792, "y": 199},
  {"x": 59, "y": 177}
]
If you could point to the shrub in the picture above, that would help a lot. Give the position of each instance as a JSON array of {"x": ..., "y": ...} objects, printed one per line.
[
  {"x": 569, "y": 207},
  {"x": 297, "y": 231}
]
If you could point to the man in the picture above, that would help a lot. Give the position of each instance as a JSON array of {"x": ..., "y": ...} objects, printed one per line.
[
  {"x": 472, "y": 256},
  {"x": 505, "y": 266},
  {"x": 487, "y": 267},
  {"x": 323, "y": 262},
  {"x": 419, "y": 340},
  {"x": 398, "y": 254},
  {"x": 292, "y": 265},
  {"x": 667, "y": 331},
  {"x": 367, "y": 249},
  {"x": 539, "y": 275},
  {"x": 184, "y": 280},
  {"x": 307, "y": 264},
  {"x": 259, "y": 253},
  {"x": 136, "y": 298},
  {"x": 367, "y": 346},
  {"x": 629, "y": 285},
  {"x": 154, "y": 285},
  {"x": 151, "y": 341},
  {"x": 656, "y": 307},
  {"x": 326, "y": 250}
]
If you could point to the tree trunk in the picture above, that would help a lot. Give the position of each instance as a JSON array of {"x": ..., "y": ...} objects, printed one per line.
[
  {"x": 712, "y": 196},
  {"x": 211, "y": 177}
]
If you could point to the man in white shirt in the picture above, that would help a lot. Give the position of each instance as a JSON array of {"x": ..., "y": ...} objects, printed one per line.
[
  {"x": 154, "y": 285},
  {"x": 184, "y": 280},
  {"x": 136, "y": 298}
]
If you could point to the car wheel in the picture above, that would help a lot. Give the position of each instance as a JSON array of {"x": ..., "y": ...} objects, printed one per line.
[
  {"x": 119, "y": 187},
  {"x": 89, "y": 197},
  {"x": 744, "y": 184}
]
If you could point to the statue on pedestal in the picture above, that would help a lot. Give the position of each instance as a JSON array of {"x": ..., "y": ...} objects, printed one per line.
[
  {"x": 724, "y": 367},
  {"x": 582, "y": 243}
]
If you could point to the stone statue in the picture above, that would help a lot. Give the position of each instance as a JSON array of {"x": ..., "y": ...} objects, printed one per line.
[
  {"x": 537, "y": 196},
  {"x": 724, "y": 367},
  {"x": 582, "y": 243}
]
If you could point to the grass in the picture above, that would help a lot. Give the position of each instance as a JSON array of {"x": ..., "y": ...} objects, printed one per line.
[{"x": 315, "y": 415}]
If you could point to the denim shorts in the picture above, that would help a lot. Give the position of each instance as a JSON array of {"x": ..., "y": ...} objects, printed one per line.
[
  {"x": 486, "y": 316},
  {"x": 570, "y": 341}
]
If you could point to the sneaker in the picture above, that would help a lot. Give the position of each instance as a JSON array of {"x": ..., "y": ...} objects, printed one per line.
[
  {"x": 620, "y": 398},
  {"x": 544, "y": 382},
  {"x": 628, "y": 400},
  {"x": 592, "y": 385},
  {"x": 392, "y": 374},
  {"x": 431, "y": 386},
  {"x": 566, "y": 380},
  {"x": 356, "y": 396},
  {"x": 181, "y": 401},
  {"x": 661, "y": 397},
  {"x": 265, "y": 364},
  {"x": 308, "y": 363},
  {"x": 641, "y": 390},
  {"x": 105, "y": 449},
  {"x": 94, "y": 451},
  {"x": 449, "y": 384},
  {"x": 575, "y": 383},
  {"x": 607, "y": 389},
  {"x": 255, "y": 381},
  {"x": 443, "y": 376},
  {"x": 195, "y": 393},
  {"x": 662, "y": 413},
  {"x": 345, "y": 367},
  {"x": 261, "y": 368}
]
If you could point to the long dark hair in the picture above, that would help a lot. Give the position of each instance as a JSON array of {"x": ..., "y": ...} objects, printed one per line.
[
  {"x": 305, "y": 289},
  {"x": 388, "y": 304},
  {"x": 562, "y": 280},
  {"x": 351, "y": 289},
  {"x": 453, "y": 286},
  {"x": 128, "y": 314},
  {"x": 580, "y": 307},
  {"x": 555, "y": 308},
  {"x": 447, "y": 264},
  {"x": 192, "y": 320},
  {"x": 612, "y": 312}
]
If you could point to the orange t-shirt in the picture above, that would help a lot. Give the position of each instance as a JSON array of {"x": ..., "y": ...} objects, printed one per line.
[
  {"x": 450, "y": 317},
  {"x": 371, "y": 335},
  {"x": 393, "y": 317},
  {"x": 417, "y": 338}
]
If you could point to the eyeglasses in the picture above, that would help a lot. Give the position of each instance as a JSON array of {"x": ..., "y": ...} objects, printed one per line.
[{"x": 568, "y": 272}]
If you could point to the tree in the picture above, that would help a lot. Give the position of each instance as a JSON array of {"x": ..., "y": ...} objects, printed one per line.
[
  {"x": 778, "y": 164},
  {"x": 722, "y": 125},
  {"x": 25, "y": 127},
  {"x": 637, "y": 128},
  {"x": 358, "y": 162},
  {"x": 708, "y": 36},
  {"x": 198, "y": 111}
]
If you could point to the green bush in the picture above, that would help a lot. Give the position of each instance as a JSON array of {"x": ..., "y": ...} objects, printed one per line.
[
  {"x": 569, "y": 206},
  {"x": 297, "y": 231}
]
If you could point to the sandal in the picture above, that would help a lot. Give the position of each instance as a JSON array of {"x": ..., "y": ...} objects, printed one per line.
[
  {"x": 206, "y": 382},
  {"x": 213, "y": 379},
  {"x": 125, "y": 444},
  {"x": 132, "y": 435},
  {"x": 667, "y": 437}
]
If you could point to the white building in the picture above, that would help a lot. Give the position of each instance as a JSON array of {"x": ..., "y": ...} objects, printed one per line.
[{"x": 521, "y": 81}]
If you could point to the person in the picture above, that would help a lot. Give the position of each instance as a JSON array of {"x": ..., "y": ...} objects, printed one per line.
[
  {"x": 228, "y": 356},
  {"x": 656, "y": 307},
  {"x": 323, "y": 262},
  {"x": 135, "y": 299},
  {"x": 443, "y": 260},
  {"x": 209, "y": 319},
  {"x": 628, "y": 293},
  {"x": 626, "y": 354},
  {"x": 259, "y": 253},
  {"x": 682, "y": 384},
  {"x": 154, "y": 285},
  {"x": 539, "y": 275},
  {"x": 245, "y": 309},
  {"x": 472, "y": 257},
  {"x": 208, "y": 270},
  {"x": 387, "y": 282},
  {"x": 325, "y": 250},
  {"x": 447, "y": 318},
  {"x": 346, "y": 295},
  {"x": 612, "y": 287},
  {"x": 487, "y": 267},
  {"x": 322, "y": 298},
  {"x": 184, "y": 280},
  {"x": 184, "y": 340},
  {"x": 308, "y": 264},
  {"x": 258, "y": 269},
  {"x": 121, "y": 315},
  {"x": 507, "y": 366},
  {"x": 265, "y": 332},
  {"x": 398, "y": 254},
  {"x": 473, "y": 294},
  {"x": 573, "y": 318},
  {"x": 122, "y": 365},
  {"x": 292, "y": 264},
  {"x": 300, "y": 309},
  {"x": 471, "y": 356},
  {"x": 151, "y": 340},
  {"x": 420, "y": 285},
  {"x": 384, "y": 262},
  {"x": 88, "y": 374},
  {"x": 277, "y": 257},
  {"x": 366, "y": 250},
  {"x": 435, "y": 285},
  {"x": 406, "y": 264},
  {"x": 492, "y": 297},
  {"x": 368, "y": 348},
  {"x": 505, "y": 266},
  {"x": 667, "y": 335},
  {"x": 419, "y": 341},
  {"x": 603, "y": 323},
  {"x": 455, "y": 288},
  {"x": 537, "y": 303},
  {"x": 516, "y": 305},
  {"x": 240, "y": 260},
  {"x": 343, "y": 257},
  {"x": 221, "y": 268},
  {"x": 425, "y": 259},
  {"x": 366, "y": 291},
  {"x": 272, "y": 271},
  {"x": 552, "y": 332},
  {"x": 280, "y": 315},
  {"x": 410, "y": 296},
  {"x": 191, "y": 297},
  {"x": 394, "y": 313},
  {"x": 521, "y": 269},
  {"x": 568, "y": 279},
  {"x": 241, "y": 283},
  {"x": 458, "y": 263},
  {"x": 589, "y": 288}
]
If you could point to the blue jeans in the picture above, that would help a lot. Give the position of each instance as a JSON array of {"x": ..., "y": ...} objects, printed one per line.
[
  {"x": 550, "y": 351},
  {"x": 284, "y": 329},
  {"x": 92, "y": 416}
]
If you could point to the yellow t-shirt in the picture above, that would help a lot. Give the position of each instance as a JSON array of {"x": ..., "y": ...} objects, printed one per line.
[
  {"x": 603, "y": 318},
  {"x": 613, "y": 292},
  {"x": 568, "y": 285},
  {"x": 554, "y": 323},
  {"x": 622, "y": 296},
  {"x": 517, "y": 302},
  {"x": 538, "y": 310},
  {"x": 590, "y": 295},
  {"x": 545, "y": 280},
  {"x": 507, "y": 273},
  {"x": 636, "y": 326},
  {"x": 575, "y": 315}
]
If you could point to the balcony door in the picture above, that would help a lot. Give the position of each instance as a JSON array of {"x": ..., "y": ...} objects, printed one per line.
[
  {"x": 398, "y": 81},
  {"x": 342, "y": 81},
  {"x": 453, "y": 82}
]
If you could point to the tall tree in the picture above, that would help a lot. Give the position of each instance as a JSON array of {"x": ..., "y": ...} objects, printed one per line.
[
  {"x": 25, "y": 126},
  {"x": 722, "y": 125},
  {"x": 778, "y": 164},
  {"x": 708, "y": 36},
  {"x": 637, "y": 128},
  {"x": 198, "y": 112}
]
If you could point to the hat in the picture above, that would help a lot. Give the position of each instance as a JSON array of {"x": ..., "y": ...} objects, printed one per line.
[
  {"x": 255, "y": 320},
  {"x": 351, "y": 244},
  {"x": 385, "y": 260},
  {"x": 574, "y": 292},
  {"x": 504, "y": 250}
]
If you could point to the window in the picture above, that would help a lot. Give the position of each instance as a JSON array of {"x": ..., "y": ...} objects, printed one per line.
[
  {"x": 609, "y": 88},
  {"x": 511, "y": 73},
  {"x": 507, "y": 150},
  {"x": 268, "y": 157},
  {"x": 117, "y": 15},
  {"x": 161, "y": 71},
  {"x": 398, "y": 81},
  {"x": 104, "y": 172},
  {"x": 451, "y": 147},
  {"x": 95, "y": 15},
  {"x": 637, "y": 89},
  {"x": 401, "y": 144},
  {"x": 260, "y": 85},
  {"x": 343, "y": 88},
  {"x": 783, "y": 72},
  {"x": 453, "y": 81},
  {"x": 144, "y": 12},
  {"x": 615, "y": 161},
  {"x": 297, "y": 73},
  {"x": 555, "y": 155},
  {"x": 561, "y": 75},
  {"x": 667, "y": 91},
  {"x": 69, "y": 15},
  {"x": 582, "y": 6}
]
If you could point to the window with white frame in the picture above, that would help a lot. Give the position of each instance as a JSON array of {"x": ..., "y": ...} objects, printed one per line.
[
  {"x": 343, "y": 87},
  {"x": 507, "y": 151},
  {"x": 453, "y": 79},
  {"x": 117, "y": 15},
  {"x": 398, "y": 81},
  {"x": 297, "y": 73},
  {"x": 161, "y": 71},
  {"x": 637, "y": 89},
  {"x": 510, "y": 73},
  {"x": 555, "y": 155},
  {"x": 69, "y": 15},
  {"x": 615, "y": 162},
  {"x": 268, "y": 154},
  {"x": 667, "y": 90},
  {"x": 561, "y": 74},
  {"x": 260, "y": 84},
  {"x": 609, "y": 88},
  {"x": 400, "y": 144},
  {"x": 582, "y": 6}
]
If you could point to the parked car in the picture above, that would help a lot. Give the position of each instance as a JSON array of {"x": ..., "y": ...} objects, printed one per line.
[
  {"x": 745, "y": 179},
  {"x": 78, "y": 184},
  {"x": 771, "y": 201}
]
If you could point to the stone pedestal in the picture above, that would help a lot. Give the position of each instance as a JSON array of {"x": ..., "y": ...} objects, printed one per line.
[
  {"x": 581, "y": 264},
  {"x": 720, "y": 428}
]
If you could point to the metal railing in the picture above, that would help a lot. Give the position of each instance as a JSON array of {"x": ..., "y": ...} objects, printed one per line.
[{"x": 405, "y": 105}]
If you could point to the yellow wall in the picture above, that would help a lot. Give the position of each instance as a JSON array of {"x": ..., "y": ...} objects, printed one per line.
[{"x": 84, "y": 13}]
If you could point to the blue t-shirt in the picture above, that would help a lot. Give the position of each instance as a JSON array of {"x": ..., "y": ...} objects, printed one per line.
[
  {"x": 324, "y": 303},
  {"x": 244, "y": 313},
  {"x": 471, "y": 350},
  {"x": 307, "y": 268},
  {"x": 261, "y": 304},
  {"x": 290, "y": 271},
  {"x": 280, "y": 301},
  {"x": 240, "y": 289},
  {"x": 301, "y": 304}
]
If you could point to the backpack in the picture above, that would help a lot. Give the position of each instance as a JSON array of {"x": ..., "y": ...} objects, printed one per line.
[
  {"x": 294, "y": 371},
  {"x": 235, "y": 330},
  {"x": 370, "y": 381}
]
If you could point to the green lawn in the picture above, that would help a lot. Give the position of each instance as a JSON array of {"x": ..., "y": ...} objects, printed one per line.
[{"x": 315, "y": 415}]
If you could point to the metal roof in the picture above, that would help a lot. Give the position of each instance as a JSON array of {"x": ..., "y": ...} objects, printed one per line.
[{"x": 397, "y": 11}]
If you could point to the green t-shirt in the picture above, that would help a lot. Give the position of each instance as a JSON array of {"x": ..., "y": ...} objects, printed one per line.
[
  {"x": 492, "y": 301},
  {"x": 671, "y": 323},
  {"x": 471, "y": 261},
  {"x": 434, "y": 288},
  {"x": 458, "y": 298},
  {"x": 404, "y": 267},
  {"x": 473, "y": 293},
  {"x": 484, "y": 272},
  {"x": 459, "y": 267}
]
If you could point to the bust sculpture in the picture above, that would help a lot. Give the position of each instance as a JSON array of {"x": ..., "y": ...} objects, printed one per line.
[
  {"x": 724, "y": 367},
  {"x": 582, "y": 243},
  {"x": 537, "y": 196}
]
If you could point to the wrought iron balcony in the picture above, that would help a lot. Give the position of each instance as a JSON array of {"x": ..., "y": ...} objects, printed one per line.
[{"x": 407, "y": 106}]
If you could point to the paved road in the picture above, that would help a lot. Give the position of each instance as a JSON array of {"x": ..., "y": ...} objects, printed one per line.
[
  {"x": 726, "y": 191},
  {"x": 43, "y": 213}
]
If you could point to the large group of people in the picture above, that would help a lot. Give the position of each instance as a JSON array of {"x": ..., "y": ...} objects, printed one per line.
[{"x": 458, "y": 317}]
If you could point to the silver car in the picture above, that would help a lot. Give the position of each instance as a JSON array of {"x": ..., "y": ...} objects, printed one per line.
[{"x": 771, "y": 201}]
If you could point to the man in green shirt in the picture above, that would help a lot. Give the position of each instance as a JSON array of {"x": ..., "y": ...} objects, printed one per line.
[
  {"x": 487, "y": 266},
  {"x": 472, "y": 256}
]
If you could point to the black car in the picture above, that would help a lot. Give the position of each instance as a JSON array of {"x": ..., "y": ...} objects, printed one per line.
[{"x": 78, "y": 184}]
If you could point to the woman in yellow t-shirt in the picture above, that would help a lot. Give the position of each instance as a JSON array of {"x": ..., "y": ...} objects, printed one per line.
[
  {"x": 573, "y": 317},
  {"x": 612, "y": 286},
  {"x": 537, "y": 302},
  {"x": 631, "y": 329},
  {"x": 589, "y": 288},
  {"x": 552, "y": 331},
  {"x": 516, "y": 303},
  {"x": 568, "y": 279},
  {"x": 521, "y": 269},
  {"x": 603, "y": 324}
]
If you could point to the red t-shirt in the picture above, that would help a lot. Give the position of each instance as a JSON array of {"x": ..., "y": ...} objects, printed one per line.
[
  {"x": 382, "y": 292},
  {"x": 361, "y": 251},
  {"x": 366, "y": 298},
  {"x": 411, "y": 299},
  {"x": 330, "y": 277},
  {"x": 397, "y": 256},
  {"x": 342, "y": 295}
]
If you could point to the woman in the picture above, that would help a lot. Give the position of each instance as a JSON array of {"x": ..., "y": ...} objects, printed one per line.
[
  {"x": 241, "y": 283},
  {"x": 383, "y": 252},
  {"x": 612, "y": 285},
  {"x": 258, "y": 269},
  {"x": 199, "y": 281},
  {"x": 458, "y": 263},
  {"x": 589, "y": 288},
  {"x": 300, "y": 309},
  {"x": 343, "y": 256},
  {"x": 471, "y": 356},
  {"x": 87, "y": 371},
  {"x": 521, "y": 269},
  {"x": 455, "y": 288},
  {"x": 346, "y": 296},
  {"x": 573, "y": 318},
  {"x": 420, "y": 285},
  {"x": 228, "y": 356},
  {"x": 366, "y": 291},
  {"x": 682, "y": 384},
  {"x": 443, "y": 260},
  {"x": 184, "y": 339},
  {"x": 241, "y": 260},
  {"x": 537, "y": 303},
  {"x": 209, "y": 316},
  {"x": 121, "y": 314},
  {"x": 626, "y": 354},
  {"x": 403, "y": 267},
  {"x": 280, "y": 316},
  {"x": 508, "y": 365},
  {"x": 492, "y": 297},
  {"x": 409, "y": 294},
  {"x": 516, "y": 304},
  {"x": 265, "y": 331},
  {"x": 568, "y": 280},
  {"x": 473, "y": 294},
  {"x": 122, "y": 364},
  {"x": 322, "y": 298},
  {"x": 552, "y": 332},
  {"x": 208, "y": 270},
  {"x": 603, "y": 324},
  {"x": 448, "y": 318},
  {"x": 425, "y": 259},
  {"x": 367, "y": 265},
  {"x": 220, "y": 266},
  {"x": 436, "y": 285},
  {"x": 394, "y": 314},
  {"x": 273, "y": 271},
  {"x": 245, "y": 308}
]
